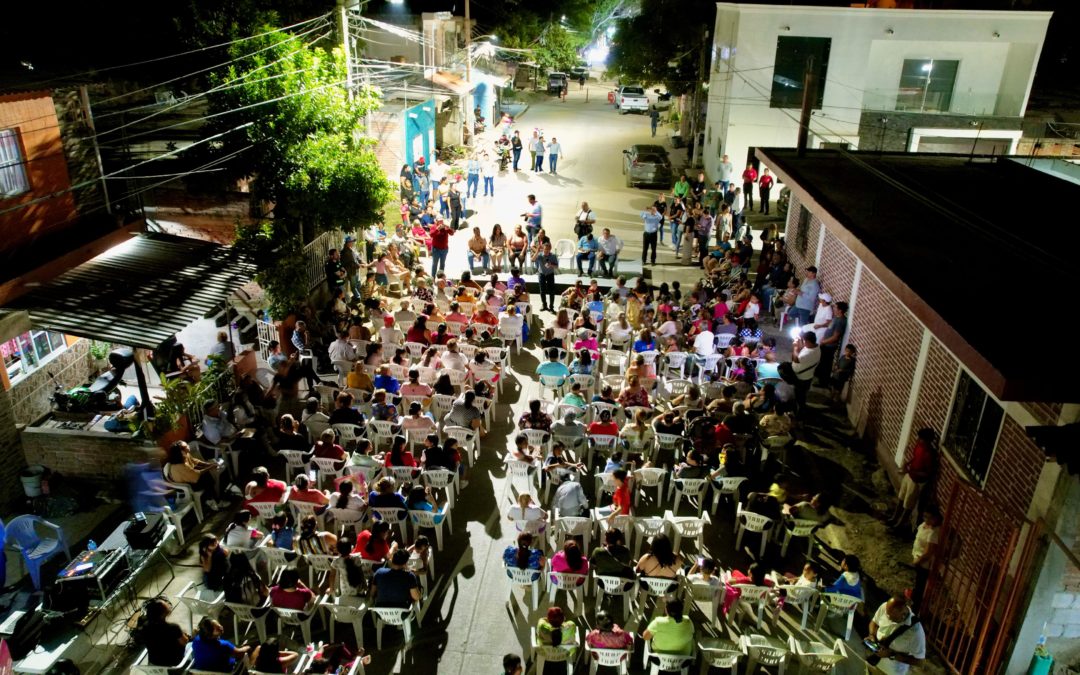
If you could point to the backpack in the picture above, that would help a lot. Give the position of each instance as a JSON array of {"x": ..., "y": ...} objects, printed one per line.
[{"x": 583, "y": 229}]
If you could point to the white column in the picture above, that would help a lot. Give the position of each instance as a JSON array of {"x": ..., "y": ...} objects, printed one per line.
[
  {"x": 851, "y": 302},
  {"x": 820, "y": 245},
  {"x": 913, "y": 396}
]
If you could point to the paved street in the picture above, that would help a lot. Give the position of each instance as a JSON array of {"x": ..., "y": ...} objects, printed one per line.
[{"x": 593, "y": 135}]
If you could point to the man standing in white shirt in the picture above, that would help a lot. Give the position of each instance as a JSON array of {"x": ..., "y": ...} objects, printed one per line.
[
  {"x": 805, "y": 356},
  {"x": 584, "y": 221},
  {"x": 900, "y": 635},
  {"x": 610, "y": 245},
  {"x": 554, "y": 152},
  {"x": 726, "y": 168},
  {"x": 489, "y": 167},
  {"x": 823, "y": 315}
]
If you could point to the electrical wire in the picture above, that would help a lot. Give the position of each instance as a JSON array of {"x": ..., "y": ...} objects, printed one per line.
[{"x": 158, "y": 59}]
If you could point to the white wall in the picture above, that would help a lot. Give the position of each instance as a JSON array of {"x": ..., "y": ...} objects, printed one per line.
[{"x": 864, "y": 58}]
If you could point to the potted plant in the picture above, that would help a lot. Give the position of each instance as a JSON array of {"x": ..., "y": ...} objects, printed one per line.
[
  {"x": 172, "y": 412},
  {"x": 98, "y": 356}
]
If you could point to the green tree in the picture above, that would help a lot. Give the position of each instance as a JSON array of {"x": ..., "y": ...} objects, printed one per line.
[
  {"x": 558, "y": 49},
  {"x": 661, "y": 44}
]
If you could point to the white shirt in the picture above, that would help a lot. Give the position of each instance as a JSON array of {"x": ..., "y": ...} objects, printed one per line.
[
  {"x": 737, "y": 205},
  {"x": 924, "y": 537},
  {"x": 391, "y": 336},
  {"x": 822, "y": 315},
  {"x": 726, "y": 169},
  {"x": 217, "y": 428},
  {"x": 808, "y": 361},
  {"x": 341, "y": 350},
  {"x": 531, "y": 513},
  {"x": 453, "y": 360},
  {"x": 585, "y": 216},
  {"x": 705, "y": 343},
  {"x": 912, "y": 642},
  {"x": 436, "y": 173},
  {"x": 610, "y": 245},
  {"x": 752, "y": 310}
]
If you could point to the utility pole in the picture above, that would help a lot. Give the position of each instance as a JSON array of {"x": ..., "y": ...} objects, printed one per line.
[
  {"x": 468, "y": 72},
  {"x": 84, "y": 100},
  {"x": 809, "y": 94},
  {"x": 694, "y": 130},
  {"x": 343, "y": 30}
]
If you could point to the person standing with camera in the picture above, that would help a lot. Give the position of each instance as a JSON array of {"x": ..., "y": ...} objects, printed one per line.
[
  {"x": 584, "y": 220},
  {"x": 897, "y": 640}
]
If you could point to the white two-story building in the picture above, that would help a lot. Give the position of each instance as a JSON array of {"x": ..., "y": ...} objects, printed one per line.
[{"x": 890, "y": 79}]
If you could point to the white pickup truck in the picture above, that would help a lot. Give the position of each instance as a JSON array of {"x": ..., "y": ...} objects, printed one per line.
[{"x": 631, "y": 98}]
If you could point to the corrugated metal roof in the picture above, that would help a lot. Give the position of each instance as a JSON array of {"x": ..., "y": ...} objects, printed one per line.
[{"x": 140, "y": 292}]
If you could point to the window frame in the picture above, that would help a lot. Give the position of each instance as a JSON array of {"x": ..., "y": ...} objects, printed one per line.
[
  {"x": 17, "y": 164},
  {"x": 20, "y": 370},
  {"x": 926, "y": 91},
  {"x": 802, "y": 229},
  {"x": 824, "y": 54},
  {"x": 963, "y": 462}
]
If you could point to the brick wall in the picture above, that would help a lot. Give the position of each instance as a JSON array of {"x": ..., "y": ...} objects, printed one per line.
[
  {"x": 799, "y": 259},
  {"x": 1046, "y": 413},
  {"x": 11, "y": 452},
  {"x": 932, "y": 406},
  {"x": 96, "y": 458},
  {"x": 836, "y": 273},
  {"x": 31, "y": 396},
  {"x": 888, "y": 338}
]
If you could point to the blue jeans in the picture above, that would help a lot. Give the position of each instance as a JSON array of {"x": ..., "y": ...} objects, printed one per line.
[
  {"x": 423, "y": 196},
  {"x": 517, "y": 157},
  {"x": 472, "y": 182},
  {"x": 552, "y": 161},
  {"x": 531, "y": 232},
  {"x": 676, "y": 236},
  {"x": 800, "y": 315},
  {"x": 539, "y": 162},
  {"x": 591, "y": 257},
  {"x": 438, "y": 259},
  {"x": 484, "y": 257},
  {"x": 489, "y": 185},
  {"x": 444, "y": 207}
]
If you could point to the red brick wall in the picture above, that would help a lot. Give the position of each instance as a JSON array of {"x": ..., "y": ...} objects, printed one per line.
[
  {"x": 935, "y": 399},
  {"x": 1046, "y": 413},
  {"x": 888, "y": 339},
  {"x": 33, "y": 116},
  {"x": 799, "y": 259},
  {"x": 836, "y": 273},
  {"x": 1015, "y": 469}
]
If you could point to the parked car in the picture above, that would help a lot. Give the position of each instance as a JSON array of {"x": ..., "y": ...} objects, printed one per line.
[
  {"x": 647, "y": 165},
  {"x": 631, "y": 97},
  {"x": 663, "y": 99},
  {"x": 557, "y": 82}
]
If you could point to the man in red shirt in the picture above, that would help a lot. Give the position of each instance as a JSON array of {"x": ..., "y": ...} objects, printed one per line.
[
  {"x": 262, "y": 488},
  {"x": 440, "y": 245},
  {"x": 765, "y": 184},
  {"x": 749, "y": 177},
  {"x": 917, "y": 472}
]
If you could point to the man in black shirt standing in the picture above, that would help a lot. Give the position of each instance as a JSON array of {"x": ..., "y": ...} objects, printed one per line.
[
  {"x": 515, "y": 148},
  {"x": 547, "y": 264},
  {"x": 335, "y": 271}
]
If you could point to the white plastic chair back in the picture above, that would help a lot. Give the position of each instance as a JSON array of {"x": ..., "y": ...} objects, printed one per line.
[
  {"x": 329, "y": 467},
  {"x": 658, "y": 587},
  {"x": 727, "y": 487},
  {"x": 416, "y": 350},
  {"x": 345, "y": 518},
  {"x": 441, "y": 404}
]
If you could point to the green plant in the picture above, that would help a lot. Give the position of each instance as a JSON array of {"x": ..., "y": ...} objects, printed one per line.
[
  {"x": 674, "y": 117},
  {"x": 182, "y": 398},
  {"x": 99, "y": 351},
  {"x": 281, "y": 263}
]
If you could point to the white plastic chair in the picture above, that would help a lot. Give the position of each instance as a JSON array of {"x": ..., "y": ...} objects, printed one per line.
[
  {"x": 609, "y": 658},
  {"x": 440, "y": 405},
  {"x": 798, "y": 528},
  {"x": 517, "y": 470},
  {"x": 701, "y": 592},
  {"x": 527, "y": 579},
  {"x": 816, "y": 657},
  {"x": 350, "y": 614},
  {"x": 433, "y": 520},
  {"x": 570, "y": 526},
  {"x": 705, "y": 364},
  {"x": 343, "y": 519},
  {"x": 253, "y": 615},
  {"x": 838, "y": 605},
  {"x": 296, "y": 462},
  {"x": 572, "y": 584},
  {"x": 655, "y": 588},
  {"x": 597, "y": 407},
  {"x": 675, "y": 365},
  {"x": 650, "y": 477},
  {"x": 688, "y": 528},
  {"x": 674, "y": 388},
  {"x": 753, "y": 600},
  {"x": 442, "y": 479},
  {"x": 602, "y": 444},
  {"x": 403, "y": 474},
  {"x": 761, "y": 651},
  {"x": 347, "y": 434},
  {"x": 666, "y": 663},
  {"x": 328, "y": 467},
  {"x": 393, "y": 616},
  {"x": 802, "y": 598},
  {"x": 382, "y": 432},
  {"x": 552, "y": 383},
  {"x": 468, "y": 439},
  {"x": 392, "y": 516},
  {"x": 298, "y": 618},
  {"x": 746, "y": 521},
  {"x": 726, "y": 487},
  {"x": 318, "y": 564},
  {"x": 200, "y": 603},
  {"x": 720, "y": 653},
  {"x": 277, "y": 560},
  {"x": 538, "y": 438},
  {"x": 616, "y": 587},
  {"x": 691, "y": 488},
  {"x": 544, "y": 654},
  {"x": 267, "y": 510}
]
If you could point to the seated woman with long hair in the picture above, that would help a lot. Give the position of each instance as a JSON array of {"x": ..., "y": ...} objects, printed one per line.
[{"x": 523, "y": 555}]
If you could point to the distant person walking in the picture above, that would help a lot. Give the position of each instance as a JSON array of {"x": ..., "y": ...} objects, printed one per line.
[
  {"x": 532, "y": 150},
  {"x": 554, "y": 151},
  {"x": 533, "y": 217},
  {"x": 515, "y": 148},
  {"x": 472, "y": 175},
  {"x": 489, "y": 167},
  {"x": 538, "y": 149},
  {"x": 654, "y": 118}
]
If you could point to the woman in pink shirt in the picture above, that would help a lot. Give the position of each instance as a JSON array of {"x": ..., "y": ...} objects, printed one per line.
[
  {"x": 587, "y": 340},
  {"x": 290, "y": 592},
  {"x": 608, "y": 634},
  {"x": 570, "y": 560}
]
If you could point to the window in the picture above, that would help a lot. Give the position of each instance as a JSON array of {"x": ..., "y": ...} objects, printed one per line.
[
  {"x": 30, "y": 351},
  {"x": 974, "y": 423},
  {"x": 926, "y": 85},
  {"x": 13, "y": 180},
  {"x": 802, "y": 230},
  {"x": 834, "y": 146},
  {"x": 790, "y": 69}
]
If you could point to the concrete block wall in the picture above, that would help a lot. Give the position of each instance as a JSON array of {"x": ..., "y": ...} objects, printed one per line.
[
  {"x": 31, "y": 396},
  {"x": 96, "y": 459},
  {"x": 11, "y": 452}
]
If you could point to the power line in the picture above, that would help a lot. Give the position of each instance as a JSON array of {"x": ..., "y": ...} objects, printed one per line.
[{"x": 171, "y": 56}]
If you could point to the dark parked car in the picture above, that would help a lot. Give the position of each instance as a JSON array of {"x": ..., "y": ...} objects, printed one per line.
[
  {"x": 557, "y": 82},
  {"x": 647, "y": 165}
]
